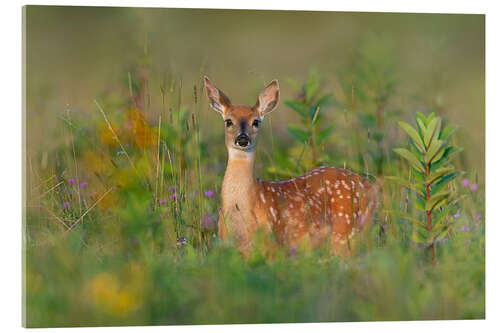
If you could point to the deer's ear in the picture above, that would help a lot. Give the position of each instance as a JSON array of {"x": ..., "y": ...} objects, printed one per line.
[
  {"x": 217, "y": 99},
  {"x": 268, "y": 98}
]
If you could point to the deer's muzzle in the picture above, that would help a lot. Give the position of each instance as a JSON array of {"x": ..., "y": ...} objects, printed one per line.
[{"x": 242, "y": 140}]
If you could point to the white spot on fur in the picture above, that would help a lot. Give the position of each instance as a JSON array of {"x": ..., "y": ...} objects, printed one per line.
[
  {"x": 273, "y": 212},
  {"x": 262, "y": 197}
]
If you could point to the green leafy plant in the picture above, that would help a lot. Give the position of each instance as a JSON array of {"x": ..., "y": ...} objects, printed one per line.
[
  {"x": 429, "y": 154},
  {"x": 308, "y": 104},
  {"x": 368, "y": 99}
]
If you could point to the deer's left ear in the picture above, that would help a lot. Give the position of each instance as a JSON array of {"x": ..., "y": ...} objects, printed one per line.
[{"x": 268, "y": 98}]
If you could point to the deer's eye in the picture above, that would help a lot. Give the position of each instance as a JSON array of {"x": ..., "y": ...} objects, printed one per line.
[
  {"x": 229, "y": 122},
  {"x": 256, "y": 123}
]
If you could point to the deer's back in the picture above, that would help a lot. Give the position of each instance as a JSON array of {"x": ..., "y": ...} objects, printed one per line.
[{"x": 326, "y": 202}]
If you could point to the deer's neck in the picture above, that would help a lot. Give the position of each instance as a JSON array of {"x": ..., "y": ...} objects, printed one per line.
[{"x": 239, "y": 183}]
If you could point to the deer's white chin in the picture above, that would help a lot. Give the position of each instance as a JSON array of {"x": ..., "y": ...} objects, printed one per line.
[{"x": 236, "y": 152}]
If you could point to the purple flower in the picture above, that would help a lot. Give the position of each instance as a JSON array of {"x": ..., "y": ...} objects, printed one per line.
[
  {"x": 71, "y": 181},
  {"x": 172, "y": 188},
  {"x": 479, "y": 217},
  {"x": 84, "y": 184},
  {"x": 383, "y": 227},
  {"x": 162, "y": 201},
  {"x": 209, "y": 194},
  {"x": 65, "y": 205},
  {"x": 173, "y": 196},
  {"x": 465, "y": 182},
  {"x": 181, "y": 241},
  {"x": 465, "y": 229},
  {"x": 456, "y": 216},
  {"x": 473, "y": 187},
  {"x": 260, "y": 166}
]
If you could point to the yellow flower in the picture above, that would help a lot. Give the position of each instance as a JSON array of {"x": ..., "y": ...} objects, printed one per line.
[{"x": 108, "y": 294}]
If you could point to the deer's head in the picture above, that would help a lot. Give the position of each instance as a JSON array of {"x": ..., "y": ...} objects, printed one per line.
[{"x": 242, "y": 123}]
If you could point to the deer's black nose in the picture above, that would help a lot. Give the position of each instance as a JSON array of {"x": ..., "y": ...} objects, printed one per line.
[{"x": 242, "y": 140}]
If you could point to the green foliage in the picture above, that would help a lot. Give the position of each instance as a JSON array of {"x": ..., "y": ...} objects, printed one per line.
[
  {"x": 429, "y": 154},
  {"x": 368, "y": 99},
  {"x": 308, "y": 104}
]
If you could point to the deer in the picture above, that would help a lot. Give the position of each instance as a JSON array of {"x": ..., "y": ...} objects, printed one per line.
[{"x": 327, "y": 204}]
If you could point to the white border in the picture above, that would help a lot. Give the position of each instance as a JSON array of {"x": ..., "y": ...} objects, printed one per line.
[{"x": 10, "y": 81}]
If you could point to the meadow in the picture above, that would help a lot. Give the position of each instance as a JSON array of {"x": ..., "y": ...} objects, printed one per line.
[{"x": 124, "y": 162}]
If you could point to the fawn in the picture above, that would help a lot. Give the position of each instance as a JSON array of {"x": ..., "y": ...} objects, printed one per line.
[{"x": 326, "y": 203}]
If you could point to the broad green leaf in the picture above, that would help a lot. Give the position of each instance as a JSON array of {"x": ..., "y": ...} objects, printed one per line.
[
  {"x": 435, "y": 199},
  {"x": 324, "y": 100},
  {"x": 439, "y": 155},
  {"x": 323, "y": 134},
  {"x": 449, "y": 152},
  {"x": 447, "y": 132},
  {"x": 441, "y": 217},
  {"x": 430, "y": 131},
  {"x": 441, "y": 184},
  {"x": 410, "y": 158},
  {"x": 298, "y": 133},
  {"x": 297, "y": 107},
  {"x": 440, "y": 203},
  {"x": 420, "y": 116},
  {"x": 406, "y": 184},
  {"x": 430, "y": 117},
  {"x": 440, "y": 234},
  {"x": 421, "y": 127},
  {"x": 420, "y": 203},
  {"x": 413, "y": 134},
  {"x": 437, "y": 174},
  {"x": 433, "y": 150}
]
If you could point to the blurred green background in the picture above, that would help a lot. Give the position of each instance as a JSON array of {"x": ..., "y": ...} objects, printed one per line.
[{"x": 122, "y": 233}]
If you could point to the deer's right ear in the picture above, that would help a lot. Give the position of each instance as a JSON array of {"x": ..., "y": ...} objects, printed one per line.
[{"x": 217, "y": 99}]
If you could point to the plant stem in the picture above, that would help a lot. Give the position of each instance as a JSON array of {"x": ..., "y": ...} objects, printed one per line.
[{"x": 428, "y": 212}]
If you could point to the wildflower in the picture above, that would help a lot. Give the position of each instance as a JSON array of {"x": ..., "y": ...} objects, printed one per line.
[
  {"x": 209, "y": 194},
  {"x": 456, "y": 216},
  {"x": 66, "y": 205},
  {"x": 84, "y": 184},
  {"x": 173, "y": 196},
  {"x": 479, "y": 216},
  {"x": 383, "y": 227},
  {"x": 181, "y": 241},
  {"x": 162, "y": 201},
  {"x": 172, "y": 188},
  {"x": 260, "y": 165},
  {"x": 465, "y": 229},
  {"x": 465, "y": 182},
  {"x": 473, "y": 187},
  {"x": 71, "y": 181}
]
